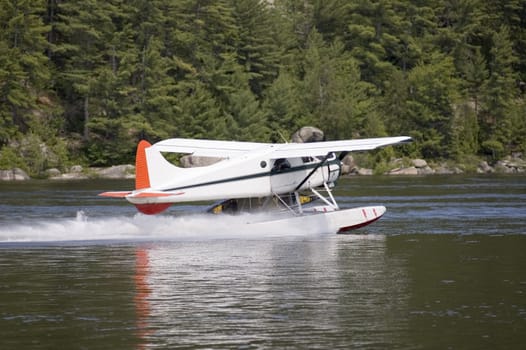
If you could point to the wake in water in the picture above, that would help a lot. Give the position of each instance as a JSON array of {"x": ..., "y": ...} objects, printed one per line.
[{"x": 145, "y": 228}]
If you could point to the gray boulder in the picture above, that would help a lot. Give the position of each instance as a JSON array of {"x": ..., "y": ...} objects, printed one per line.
[
  {"x": 53, "y": 172},
  {"x": 425, "y": 170},
  {"x": 419, "y": 163},
  {"x": 484, "y": 168},
  {"x": 125, "y": 171},
  {"x": 364, "y": 171},
  {"x": 70, "y": 176},
  {"x": 189, "y": 161},
  {"x": 76, "y": 169},
  {"x": 76, "y": 172},
  {"x": 15, "y": 174},
  {"x": 404, "y": 171},
  {"x": 348, "y": 164},
  {"x": 308, "y": 134}
]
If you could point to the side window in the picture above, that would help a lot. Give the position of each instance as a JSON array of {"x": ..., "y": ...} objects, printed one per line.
[{"x": 280, "y": 165}]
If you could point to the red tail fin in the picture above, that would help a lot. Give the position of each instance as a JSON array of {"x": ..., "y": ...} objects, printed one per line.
[{"x": 142, "y": 179}]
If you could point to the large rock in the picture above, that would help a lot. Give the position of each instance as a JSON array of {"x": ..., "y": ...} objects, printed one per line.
[
  {"x": 404, "y": 171},
  {"x": 125, "y": 171},
  {"x": 308, "y": 134},
  {"x": 484, "y": 168},
  {"x": 348, "y": 164},
  {"x": 511, "y": 165},
  {"x": 419, "y": 163},
  {"x": 53, "y": 172},
  {"x": 70, "y": 176},
  {"x": 189, "y": 161},
  {"x": 425, "y": 170},
  {"x": 503, "y": 168},
  {"x": 76, "y": 169},
  {"x": 443, "y": 169},
  {"x": 15, "y": 174},
  {"x": 76, "y": 172},
  {"x": 363, "y": 171}
]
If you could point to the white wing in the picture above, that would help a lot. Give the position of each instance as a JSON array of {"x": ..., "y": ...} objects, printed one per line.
[
  {"x": 230, "y": 149},
  {"x": 293, "y": 150},
  {"x": 208, "y": 148}
]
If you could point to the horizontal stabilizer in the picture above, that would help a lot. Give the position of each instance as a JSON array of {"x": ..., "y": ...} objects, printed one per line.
[
  {"x": 154, "y": 194},
  {"x": 115, "y": 194}
]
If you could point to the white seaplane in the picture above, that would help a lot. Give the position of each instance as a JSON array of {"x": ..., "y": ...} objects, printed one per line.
[{"x": 287, "y": 177}]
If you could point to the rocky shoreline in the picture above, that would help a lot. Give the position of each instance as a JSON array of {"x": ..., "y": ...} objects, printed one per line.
[
  {"x": 510, "y": 165},
  {"x": 514, "y": 164},
  {"x": 76, "y": 172}
]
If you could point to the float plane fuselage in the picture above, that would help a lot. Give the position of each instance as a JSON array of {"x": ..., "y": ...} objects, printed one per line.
[{"x": 245, "y": 170}]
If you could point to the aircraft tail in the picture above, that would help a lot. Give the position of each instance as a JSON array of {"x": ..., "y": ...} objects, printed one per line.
[
  {"x": 142, "y": 180},
  {"x": 152, "y": 171}
]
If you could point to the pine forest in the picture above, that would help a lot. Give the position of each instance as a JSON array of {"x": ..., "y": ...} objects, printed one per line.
[{"x": 81, "y": 81}]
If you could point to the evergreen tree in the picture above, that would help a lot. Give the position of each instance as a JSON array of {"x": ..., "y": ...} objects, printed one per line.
[
  {"x": 432, "y": 94},
  {"x": 245, "y": 119},
  {"x": 285, "y": 106},
  {"x": 257, "y": 50},
  {"x": 199, "y": 115},
  {"x": 24, "y": 70},
  {"x": 512, "y": 15},
  {"x": 82, "y": 29},
  {"x": 460, "y": 32},
  {"x": 464, "y": 132},
  {"x": 518, "y": 127},
  {"x": 372, "y": 38},
  {"x": 300, "y": 20},
  {"x": 499, "y": 94},
  {"x": 335, "y": 97},
  {"x": 451, "y": 73}
]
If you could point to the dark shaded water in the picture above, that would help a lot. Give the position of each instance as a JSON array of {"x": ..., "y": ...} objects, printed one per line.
[{"x": 445, "y": 268}]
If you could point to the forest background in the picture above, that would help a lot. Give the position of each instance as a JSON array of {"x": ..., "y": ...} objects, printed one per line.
[{"x": 81, "y": 81}]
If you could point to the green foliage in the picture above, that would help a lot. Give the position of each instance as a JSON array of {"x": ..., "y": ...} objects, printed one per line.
[
  {"x": 493, "y": 148},
  {"x": 499, "y": 89},
  {"x": 518, "y": 128},
  {"x": 464, "y": 133},
  {"x": 33, "y": 155},
  {"x": 284, "y": 105},
  {"x": 86, "y": 79},
  {"x": 9, "y": 159},
  {"x": 23, "y": 66}
]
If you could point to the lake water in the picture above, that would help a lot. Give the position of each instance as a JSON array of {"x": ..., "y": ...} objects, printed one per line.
[{"x": 445, "y": 268}]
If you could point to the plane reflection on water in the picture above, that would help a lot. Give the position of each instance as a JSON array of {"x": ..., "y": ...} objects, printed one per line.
[
  {"x": 288, "y": 293},
  {"x": 142, "y": 292}
]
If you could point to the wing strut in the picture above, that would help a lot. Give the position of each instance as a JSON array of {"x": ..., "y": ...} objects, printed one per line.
[
  {"x": 313, "y": 171},
  {"x": 331, "y": 203}
]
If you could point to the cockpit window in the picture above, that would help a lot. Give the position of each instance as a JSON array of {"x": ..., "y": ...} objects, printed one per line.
[{"x": 331, "y": 156}]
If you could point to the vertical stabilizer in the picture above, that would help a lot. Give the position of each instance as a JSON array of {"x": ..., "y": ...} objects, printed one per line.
[
  {"x": 142, "y": 179},
  {"x": 151, "y": 171}
]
